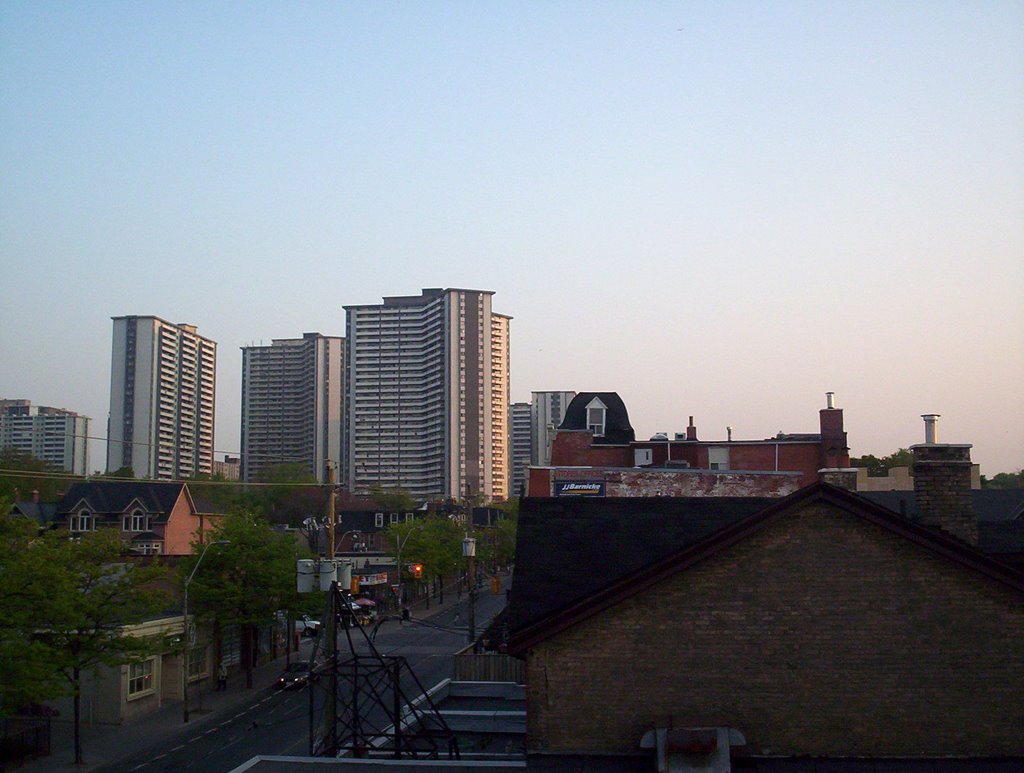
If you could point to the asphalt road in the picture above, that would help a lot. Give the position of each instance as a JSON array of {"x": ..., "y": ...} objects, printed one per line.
[{"x": 278, "y": 722}]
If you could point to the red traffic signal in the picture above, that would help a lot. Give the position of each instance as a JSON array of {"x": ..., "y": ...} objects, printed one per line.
[{"x": 417, "y": 571}]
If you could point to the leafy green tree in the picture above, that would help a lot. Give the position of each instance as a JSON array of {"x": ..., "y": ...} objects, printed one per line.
[
  {"x": 246, "y": 581},
  {"x": 497, "y": 545},
  {"x": 123, "y": 472},
  {"x": 289, "y": 494},
  {"x": 392, "y": 500},
  {"x": 1004, "y": 480},
  {"x": 879, "y": 467},
  {"x": 28, "y": 676},
  {"x": 24, "y": 473},
  {"x": 434, "y": 541},
  {"x": 86, "y": 594}
]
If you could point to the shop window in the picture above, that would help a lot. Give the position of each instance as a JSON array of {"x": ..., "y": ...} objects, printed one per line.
[{"x": 140, "y": 678}]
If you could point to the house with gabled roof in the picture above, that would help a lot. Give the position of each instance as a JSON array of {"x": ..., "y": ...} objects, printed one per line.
[
  {"x": 154, "y": 518},
  {"x": 821, "y": 631}
]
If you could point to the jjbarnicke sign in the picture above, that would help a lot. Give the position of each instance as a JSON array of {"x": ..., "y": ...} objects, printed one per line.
[{"x": 579, "y": 488}]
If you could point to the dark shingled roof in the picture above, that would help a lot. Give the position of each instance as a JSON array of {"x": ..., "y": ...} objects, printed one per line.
[
  {"x": 617, "y": 430},
  {"x": 116, "y": 497},
  {"x": 1000, "y": 514},
  {"x": 570, "y": 551},
  {"x": 567, "y": 548}
]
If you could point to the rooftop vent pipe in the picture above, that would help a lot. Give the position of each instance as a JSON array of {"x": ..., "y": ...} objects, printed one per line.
[
  {"x": 728, "y": 431},
  {"x": 931, "y": 421},
  {"x": 830, "y": 399}
]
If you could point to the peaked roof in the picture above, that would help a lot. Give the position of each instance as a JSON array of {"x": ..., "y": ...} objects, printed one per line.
[
  {"x": 116, "y": 496},
  {"x": 1000, "y": 514},
  {"x": 616, "y": 426},
  {"x": 532, "y": 621},
  {"x": 568, "y": 548}
]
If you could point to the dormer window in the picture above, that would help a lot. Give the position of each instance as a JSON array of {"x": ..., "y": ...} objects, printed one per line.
[
  {"x": 83, "y": 520},
  {"x": 136, "y": 521},
  {"x": 596, "y": 416}
]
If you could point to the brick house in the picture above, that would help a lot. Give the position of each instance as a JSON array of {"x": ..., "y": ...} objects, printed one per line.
[
  {"x": 821, "y": 629},
  {"x": 595, "y": 453},
  {"x": 153, "y": 518}
]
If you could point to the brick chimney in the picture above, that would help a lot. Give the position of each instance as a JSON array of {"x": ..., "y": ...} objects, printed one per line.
[
  {"x": 691, "y": 430},
  {"x": 942, "y": 485},
  {"x": 840, "y": 477},
  {"x": 835, "y": 452},
  {"x": 35, "y": 496}
]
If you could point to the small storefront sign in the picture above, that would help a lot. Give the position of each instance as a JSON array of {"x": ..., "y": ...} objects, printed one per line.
[{"x": 579, "y": 488}]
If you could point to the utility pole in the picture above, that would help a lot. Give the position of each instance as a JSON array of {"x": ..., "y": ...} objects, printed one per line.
[{"x": 330, "y": 510}]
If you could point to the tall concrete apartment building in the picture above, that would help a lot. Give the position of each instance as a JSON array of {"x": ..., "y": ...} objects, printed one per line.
[
  {"x": 427, "y": 395},
  {"x": 520, "y": 440},
  {"x": 293, "y": 399},
  {"x": 163, "y": 380},
  {"x": 547, "y": 412},
  {"x": 54, "y": 435}
]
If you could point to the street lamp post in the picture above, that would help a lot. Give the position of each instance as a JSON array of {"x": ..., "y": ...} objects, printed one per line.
[
  {"x": 398, "y": 559},
  {"x": 186, "y": 627},
  {"x": 469, "y": 551}
]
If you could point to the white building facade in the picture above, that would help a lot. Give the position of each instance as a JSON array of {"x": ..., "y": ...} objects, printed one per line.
[
  {"x": 293, "y": 404},
  {"x": 162, "y": 395},
  {"x": 427, "y": 395},
  {"x": 547, "y": 412},
  {"x": 56, "y": 436}
]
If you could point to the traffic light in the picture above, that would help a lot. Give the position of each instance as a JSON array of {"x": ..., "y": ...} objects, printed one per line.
[
  {"x": 354, "y": 588},
  {"x": 417, "y": 571}
]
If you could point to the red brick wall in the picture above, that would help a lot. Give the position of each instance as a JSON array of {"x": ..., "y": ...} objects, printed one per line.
[
  {"x": 821, "y": 634},
  {"x": 182, "y": 527}
]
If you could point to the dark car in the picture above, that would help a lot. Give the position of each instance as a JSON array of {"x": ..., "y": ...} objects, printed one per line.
[{"x": 295, "y": 675}]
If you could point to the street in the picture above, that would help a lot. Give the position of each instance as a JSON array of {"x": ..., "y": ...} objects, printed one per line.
[{"x": 276, "y": 722}]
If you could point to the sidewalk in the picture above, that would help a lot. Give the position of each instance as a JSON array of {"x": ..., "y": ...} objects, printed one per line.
[{"x": 105, "y": 745}]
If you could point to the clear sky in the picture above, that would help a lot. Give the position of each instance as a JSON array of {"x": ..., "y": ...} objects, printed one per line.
[{"x": 715, "y": 209}]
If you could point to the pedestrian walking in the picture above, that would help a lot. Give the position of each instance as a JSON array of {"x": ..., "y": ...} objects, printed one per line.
[{"x": 222, "y": 677}]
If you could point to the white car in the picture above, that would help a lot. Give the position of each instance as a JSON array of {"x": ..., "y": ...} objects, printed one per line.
[{"x": 307, "y": 626}]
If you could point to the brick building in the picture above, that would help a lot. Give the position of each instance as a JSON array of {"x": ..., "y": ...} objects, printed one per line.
[
  {"x": 822, "y": 629},
  {"x": 153, "y": 518},
  {"x": 595, "y": 453}
]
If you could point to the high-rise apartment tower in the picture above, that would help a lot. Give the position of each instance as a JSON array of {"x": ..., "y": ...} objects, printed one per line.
[
  {"x": 519, "y": 434},
  {"x": 548, "y": 410},
  {"x": 54, "y": 435},
  {"x": 163, "y": 381},
  {"x": 292, "y": 404},
  {"x": 427, "y": 395}
]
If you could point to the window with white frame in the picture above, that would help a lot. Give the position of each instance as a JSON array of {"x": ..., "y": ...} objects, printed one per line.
[
  {"x": 150, "y": 548},
  {"x": 136, "y": 521},
  {"x": 409, "y": 517},
  {"x": 140, "y": 678},
  {"x": 83, "y": 520},
  {"x": 394, "y": 518},
  {"x": 378, "y": 520},
  {"x": 596, "y": 413}
]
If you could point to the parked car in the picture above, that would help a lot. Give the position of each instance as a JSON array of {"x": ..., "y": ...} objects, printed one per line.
[
  {"x": 295, "y": 675},
  {"x": 306, "y": 626}
]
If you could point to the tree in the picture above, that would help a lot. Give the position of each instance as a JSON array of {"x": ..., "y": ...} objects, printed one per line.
[
  {"x": 245, "y": 582},
  {"x": 434, "y": 541},
  {"x": 24, "y": 473},
  {"x": 499, "y": 542},
  {"x": 1004, "y": 480},
  {"x": 123, "y": 472},
  {"x": 393, "y": 500},
  {"x": 292, "y": 494},
  {"x": 81, "y": 595},
  {"x": 28, "y": 674},
  {"x": 879, "y": 467}
]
